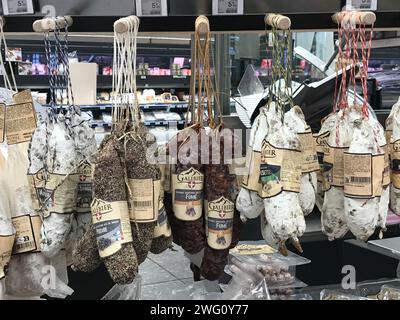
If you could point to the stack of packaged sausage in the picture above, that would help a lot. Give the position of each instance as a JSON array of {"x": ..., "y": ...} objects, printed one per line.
[{"x": 260, "y": 266}]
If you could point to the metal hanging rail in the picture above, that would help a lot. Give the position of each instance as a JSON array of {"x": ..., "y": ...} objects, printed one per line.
[
  {"x": 306, "y": 22},
  {"x": 100, "y": 15}
]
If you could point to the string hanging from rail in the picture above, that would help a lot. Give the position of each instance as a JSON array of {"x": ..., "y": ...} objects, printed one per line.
[
  {"x": 202, "y": 84},
  {"x": 281, "y": 76},
  {"x": 7, "y": 83},
  {"x": 352, "y": 27},
  {"x": 125, "y": 99},
  {"x": 366, "y": 52}
]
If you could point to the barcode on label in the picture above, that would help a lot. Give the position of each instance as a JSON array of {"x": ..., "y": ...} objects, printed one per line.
[
  {"x": 25, "y": 245},
  {"x": 360, "y": 179},
  {"x": 142, "y": 204}
]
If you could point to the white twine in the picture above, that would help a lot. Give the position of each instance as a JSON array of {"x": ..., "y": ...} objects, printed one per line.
[
  {"x": 124, "y": 73},
  {"x": 7, "y": 82}
]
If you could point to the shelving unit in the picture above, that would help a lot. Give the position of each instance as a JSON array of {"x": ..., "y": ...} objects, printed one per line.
[
  {"x": 178, "y": 107},
  {"x": 36, "y": 82}
]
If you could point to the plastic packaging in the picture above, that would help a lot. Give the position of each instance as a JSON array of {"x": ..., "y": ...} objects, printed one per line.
[
  {"x": 281, "y": 293},
  {"x": 328, "y": 294},
  {"x": 259, "y": 253},
  {"x": 259, "y": 292},
  {"x": 389, "y": 293},
  {"x": 277, "y": 276},
  {"x": 131, "y": 291},
  {"x": 7, "y": 231},
  {"x": 249, "y": 275},
  {"x": 299, "y": 297},
  {"x": 197, "y": 291},
  {"x": 236, "y": 291},
  {"x": 272, "y": 273},
  {"x": 30, "y": 274},
  {"x": 2, "y": 289},
  {"x": 372, "y": 289}
]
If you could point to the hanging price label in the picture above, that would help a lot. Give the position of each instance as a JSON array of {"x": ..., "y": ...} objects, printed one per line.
[
  {"x": 11, "y": 7},
  {"x": 227, "y": 7},
  {"x": 362, "y": 4},
  {"x": 151, "y": 8}
]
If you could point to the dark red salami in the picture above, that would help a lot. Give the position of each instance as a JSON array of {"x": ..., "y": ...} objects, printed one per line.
[{"x": 223, "y": 220}]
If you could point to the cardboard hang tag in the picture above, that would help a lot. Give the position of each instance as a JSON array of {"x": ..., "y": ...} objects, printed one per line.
[
  {"x": 309, "y": 149},
  {"x": 143, "y": 203},
  {"x": 386, "y": 171},
  {"x": 20, "y": 118},
  {"x": 6, "y": 246},
  {"x": 395, "y": 163},
  {"x": 111, "y": 224},
  {"x": 280, "y": 170},
  {"x": 27, "y": 235},
  {"x": 363, "y": 175},
  {"x": 251, "y": 180},
  {"x": 24, "y": 96},
  {"x": 334, "y": 166},
  {"x": 187, "y": 194}
]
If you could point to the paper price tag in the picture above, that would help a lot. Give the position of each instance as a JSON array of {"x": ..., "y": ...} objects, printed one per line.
[
  {"x": 151, "y": 8},
  {"x": 11, "y": 7},
  {"x": 20, "y": 122},
  {"x": 227, "y": 7},
  {"x": 362, "y": 4}
]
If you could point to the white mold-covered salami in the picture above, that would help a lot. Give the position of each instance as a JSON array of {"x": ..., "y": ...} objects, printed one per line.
[
  {"x": 383, "y": 207},
  {"x": 333, "y": 219},
  {"x": 294, "y": 120},
  {"x": 326, "y": 129},
  {"x": 283, "y": 211},
  {"x": 267, "y": 232},
  {"x": 37, "y": 148},
  {"x": 379, "y": 134},
  {"x": 61, "y": 160},
  {"x": 248, "y": 201},
  {"x": 307, "y": 195},
  {"x": 389, "y": 119},
  {"x": 362, "y": 214},
  {"x": 249, "y": 204},
  {"x": 85, "y": 147},
  {"x": 84, "y": 137},
  {"x": 394, "y": 124}
]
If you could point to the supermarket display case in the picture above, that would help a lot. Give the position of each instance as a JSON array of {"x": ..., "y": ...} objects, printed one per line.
[{"x": 231, "y": 32}]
